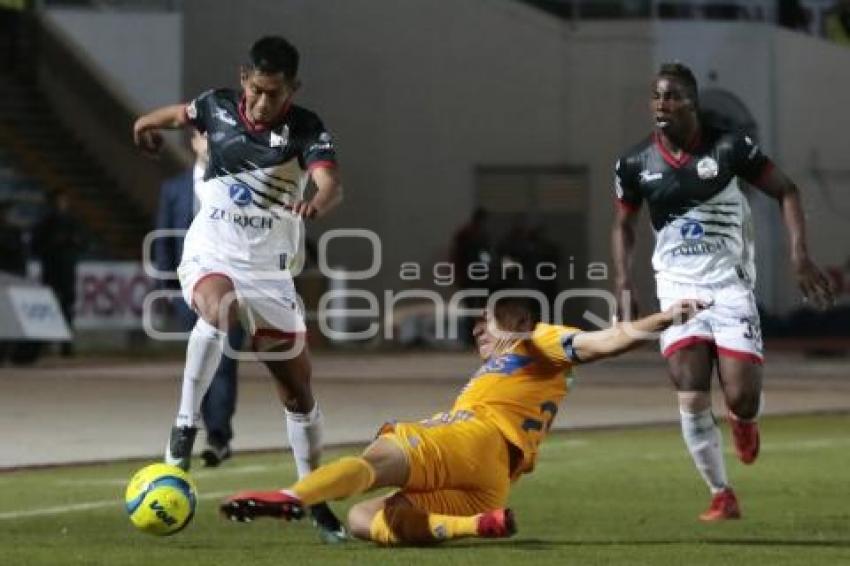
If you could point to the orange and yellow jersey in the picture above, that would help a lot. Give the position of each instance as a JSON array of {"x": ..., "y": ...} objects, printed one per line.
[{"x": 520, "y": 390}]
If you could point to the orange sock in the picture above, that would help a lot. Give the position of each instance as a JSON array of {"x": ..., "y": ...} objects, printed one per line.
[{"x": 343, "y": 478}]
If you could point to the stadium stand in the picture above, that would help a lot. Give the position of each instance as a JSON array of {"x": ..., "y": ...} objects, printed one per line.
[{"x": 41, "y": 155}]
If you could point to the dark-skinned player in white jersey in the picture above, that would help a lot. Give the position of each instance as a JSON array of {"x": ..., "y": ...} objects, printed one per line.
[
  {"x": 246, "y": 241},
  {"x": 687, "y": 171}
]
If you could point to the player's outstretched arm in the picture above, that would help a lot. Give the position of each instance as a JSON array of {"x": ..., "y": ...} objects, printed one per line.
[
  {"x": 813, "y": 283},
  {"x": 146, "y": 128},
  {"x": 623, "y": 336}
]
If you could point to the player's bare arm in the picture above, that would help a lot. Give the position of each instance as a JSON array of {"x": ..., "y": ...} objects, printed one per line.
[
  {"x": 622, "y": 250},
  {"x": 146, "y": 128},
  {"x": 328, "y": 194},
  {"x": 624, "y": 336},
  {"x": 813, "y": 283}
]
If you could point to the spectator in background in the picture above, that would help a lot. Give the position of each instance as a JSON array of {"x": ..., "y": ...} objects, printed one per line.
[
  {"x": 515, "y": 246},
  {"x": 837, "y": 23},
  {"x": 12, "y": 261},
  {"x": 471, "y": 244},
  {"x": 12, "y": 257},
  {"x": 545, "y": 264},
  {"x": 11, "y": 29},
  {"x": 177, "y": 208},
  {"x": 58, "y": 242},
  {"x": 791, "y": 14}
]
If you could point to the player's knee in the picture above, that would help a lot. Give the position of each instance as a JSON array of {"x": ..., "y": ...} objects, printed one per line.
[
  {"x": 685, "y": 379},
  {"x": 217, "y": 312},
  {"x": 360, "y": 518},
  {"x": 745, "y": 405},
  {"x": 389, "y": 463}
]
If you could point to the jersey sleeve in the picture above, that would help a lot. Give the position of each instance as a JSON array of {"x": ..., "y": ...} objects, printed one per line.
[
  {"x": 198, "y": 110},
  {"x": 555, "y": 343},
  {"x": 319, "y": 149},
  {"x": 626, "y": 185},
  {"x": 748, "y": 162}
]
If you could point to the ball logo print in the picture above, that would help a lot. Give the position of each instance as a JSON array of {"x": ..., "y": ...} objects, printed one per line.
[
  {"x": 160, "y": 499},
  {"x": 692, "y": 230},
  {"x": 240, "y": 194}
]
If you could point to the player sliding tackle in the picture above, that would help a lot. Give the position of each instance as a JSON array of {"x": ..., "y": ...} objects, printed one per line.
[{"x": 455, "y": 469}]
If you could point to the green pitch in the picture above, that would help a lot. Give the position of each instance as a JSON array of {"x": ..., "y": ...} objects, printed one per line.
[{"x": 600, "y": 497}]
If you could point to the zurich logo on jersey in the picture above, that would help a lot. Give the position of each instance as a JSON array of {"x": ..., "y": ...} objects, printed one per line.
[
  {"x": 240, "y": 194},
  {"x": 692, "y": 230}
]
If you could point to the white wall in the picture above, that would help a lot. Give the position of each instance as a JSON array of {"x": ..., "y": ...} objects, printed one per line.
[
  {"x": 140, "y": 53},
  {"x": 812, "y": 90}
]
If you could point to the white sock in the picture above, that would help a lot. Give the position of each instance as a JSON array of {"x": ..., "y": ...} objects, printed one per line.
[
  {"x": 203, "y": 354},
  {"x": 705, "y": 444},
  {"x": 305, "y": 438}
]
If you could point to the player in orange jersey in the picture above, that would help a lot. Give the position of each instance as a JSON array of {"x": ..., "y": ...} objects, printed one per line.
[{"x": 455, "y": 469}]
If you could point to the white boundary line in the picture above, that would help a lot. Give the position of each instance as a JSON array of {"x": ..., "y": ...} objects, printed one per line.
[
  {"x": 62, "y": 509},
  {"x": 227, "y": 471}
]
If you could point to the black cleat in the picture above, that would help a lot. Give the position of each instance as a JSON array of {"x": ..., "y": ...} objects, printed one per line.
[
  {"x": 179, "y": 450},
  {"x": 331, "y": 530},
  {"x": 213, "y": 456}
]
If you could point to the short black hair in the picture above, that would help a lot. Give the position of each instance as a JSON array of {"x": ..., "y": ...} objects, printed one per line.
[
  {"x": 513, "y": 312},
  {"x": 517, "y": 305},
  {"x": 683, "y": 74},
  {"x": 273, "y": 54}
]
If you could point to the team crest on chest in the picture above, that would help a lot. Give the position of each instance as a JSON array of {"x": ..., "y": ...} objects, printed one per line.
[
  {"x": 707, "y": 168},
  {"x": 279, "y": 140}
]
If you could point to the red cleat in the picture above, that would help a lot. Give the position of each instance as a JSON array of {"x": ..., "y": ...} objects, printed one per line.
[
  {"x": 246, "y": 506},
  {"x": 746, "y": 437},
  {"x": 724, "y": 505},
  {"x": 498, "y": 523}
]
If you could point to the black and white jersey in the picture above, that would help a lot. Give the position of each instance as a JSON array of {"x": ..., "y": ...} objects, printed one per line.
[
  {"x": 253, "y": 177},
  {"x": 702, "y": 220}
]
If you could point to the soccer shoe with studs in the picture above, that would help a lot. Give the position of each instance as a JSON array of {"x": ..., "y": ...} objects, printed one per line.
[
  {"x": 179, "y": 450},
  {"x": 331, "y": 530},
  {"x": 246, "y": 506},
  {"x": 498, "y": 523},
  {"x": 213, "y": 456},
  {"x": 724, "y": 505},
  {"x": 745, "y": 435}
]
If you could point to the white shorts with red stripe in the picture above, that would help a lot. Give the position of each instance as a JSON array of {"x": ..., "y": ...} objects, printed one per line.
[
  {"x": 267, "y": 301},
  {"x": 731, "y": 323}
]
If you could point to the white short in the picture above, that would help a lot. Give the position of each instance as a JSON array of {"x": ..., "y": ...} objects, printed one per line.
[
  {"x": 267, "y": 300},
  {"x": 731, "y": 323}
]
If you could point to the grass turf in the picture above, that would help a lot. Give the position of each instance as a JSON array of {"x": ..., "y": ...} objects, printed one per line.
[{"x": 598, "y": 497}]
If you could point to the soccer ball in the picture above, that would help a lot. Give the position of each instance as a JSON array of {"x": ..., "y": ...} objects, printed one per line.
[{"x": 161, "y": 499}]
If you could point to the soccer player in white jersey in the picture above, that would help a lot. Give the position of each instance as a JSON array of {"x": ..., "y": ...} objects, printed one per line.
[
  {"x": 688, "y": 172},
  {"x": 247, "y": 239}
]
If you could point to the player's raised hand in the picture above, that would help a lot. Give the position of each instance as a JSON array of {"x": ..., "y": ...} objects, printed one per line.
[
  {"x": 304, "y": 209},
  {"x": 682, "y": 311},
  {"x": 814, "y": 284},
  {"x": 146, "y": 137}
]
